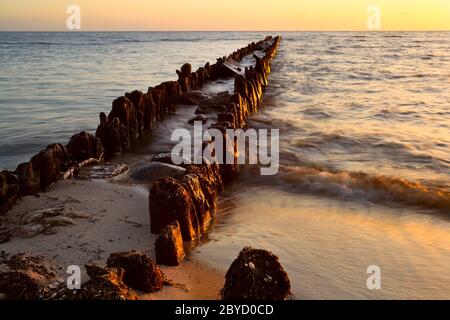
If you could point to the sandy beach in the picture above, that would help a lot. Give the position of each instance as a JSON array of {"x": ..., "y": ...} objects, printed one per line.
[{"x": 115, "y": 218}]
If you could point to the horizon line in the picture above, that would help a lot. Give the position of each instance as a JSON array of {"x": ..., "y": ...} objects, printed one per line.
[{"x": 179, "y": 31}]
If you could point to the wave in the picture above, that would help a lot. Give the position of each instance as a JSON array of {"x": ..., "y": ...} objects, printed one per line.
[{"x": 360, "y": 185}]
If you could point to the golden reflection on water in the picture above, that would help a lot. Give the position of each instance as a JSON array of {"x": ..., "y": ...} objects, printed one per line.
[{"x": 326, "y": 245}]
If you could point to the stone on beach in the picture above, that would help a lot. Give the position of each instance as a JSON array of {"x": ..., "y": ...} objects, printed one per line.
[
  {"x": 198, "y": 118},
  {"x": 49, "y": 163},
  {"x": 140, "y": 272},
  {"x": 9, "y": 191},
  {"x": 169, "y": 248},
  {"x": 192, "y": 98},
  {"x": 26, "y": 277},
  {"x": 256, "y": 275},
  {"x": 104, "y": 284}
]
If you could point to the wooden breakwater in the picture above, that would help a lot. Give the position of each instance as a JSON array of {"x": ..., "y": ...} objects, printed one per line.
[{"x": 137, "y": 112}]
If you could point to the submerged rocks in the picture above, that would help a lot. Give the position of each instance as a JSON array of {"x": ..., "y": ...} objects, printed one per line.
[
  {"x": 169, "y": 245},
  {"x": 83, "y": 146},
  {"x": 217, "y": 102},
  {"x": 113, "y": 137},
  {"x": 151, "y": 171},
  {"x": 168, "y": 159},
  {"x": 140, "y": 272},
  {"x": 256, "y": 275},
  {"x": 198, "y": 118},
  {"x": 191, "y": 98}
]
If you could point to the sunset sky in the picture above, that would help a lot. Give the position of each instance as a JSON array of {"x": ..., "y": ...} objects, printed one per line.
[{"x": 180, "y": 15}]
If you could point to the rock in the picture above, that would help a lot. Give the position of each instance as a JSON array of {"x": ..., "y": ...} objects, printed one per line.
[
  {"x": 256, "y": 275},
  {"x": 25, "y": 277},
  {"x": 192, "y": 98},
  {"x": 230, "y": 171},
  {"x": 103, "y": 171},
  {"x": 199, "y": 117},
  {"x": 217, "y": 102},
  {"x": 210, "y": 179},
  {"x": 202, "y": 76},
  {"x": 84, "y": 146},
  {"x": 49, "y": 163},
  {"x": 169, "y": 200},
  {"x": 28, "y": 182},
  {"x": 168, "y": 102},
  {"x": 140, "y": 272},
  {"x": 173, "y": 94},
  {"x": 104, "y": 284},
  {"x": 163, "y": 98},
  {"x": 185, "y": 77},
  {"x": 19, "y": 285},
  {"x": 140, "y": 104},
  {"x": 6, "y": 232},
  {"x": 125, "y": 111},
  {"x": 9, "y": 191},
  {"x": 158, "y": 97},
  {"x": 200, "y": 200},
  {"x": 201, "y": 110},
  {"x": 169, "y": 247},
  {"x": 45, "y": 221},
  {"x": 150, "y": 115},
  {"x": 151, "y": 171},
  {"x": 167, "y": 159},
  {"x": 110, "y": 133}
]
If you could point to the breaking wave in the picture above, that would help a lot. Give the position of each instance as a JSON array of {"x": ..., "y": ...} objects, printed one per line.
[{"x": 361, "y": 185}]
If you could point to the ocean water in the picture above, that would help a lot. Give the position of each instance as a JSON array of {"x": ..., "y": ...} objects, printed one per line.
[{"x": 364, "y": 123}]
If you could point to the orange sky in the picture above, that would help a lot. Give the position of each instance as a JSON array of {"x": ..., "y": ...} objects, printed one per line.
[{"x": 264, "y": 15}]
